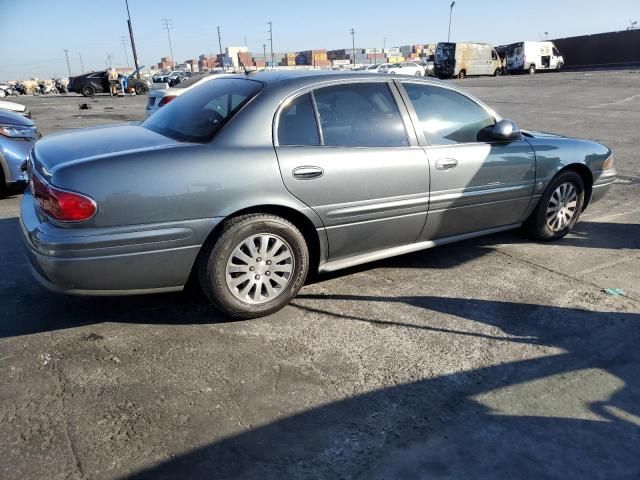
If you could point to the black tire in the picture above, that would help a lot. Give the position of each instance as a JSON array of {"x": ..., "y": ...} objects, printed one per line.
[
  {"x": 497, "y": 72},
  {"x": 559, "y": 67},
  {"x": 536, "y": 225},
  {"x": 462, "y": 74},
  {"x": 418, "y": 74},
  {"x": 532, "y": 69},
  {"x": 4, "y": 191},
  {"x": 88, "y": 90},
  {"x": 141, "y": 89},
  {"x": 213, "y": 259}
]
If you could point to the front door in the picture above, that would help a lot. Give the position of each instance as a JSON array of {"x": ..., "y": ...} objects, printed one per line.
[
  {"x": 476, "y": 183},
  {"x": 359, "y": 171}
]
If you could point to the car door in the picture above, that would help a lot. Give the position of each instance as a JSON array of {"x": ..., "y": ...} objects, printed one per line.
[
  {"x": 362, "y": 171},
  {"x": 476, "y": 183}
]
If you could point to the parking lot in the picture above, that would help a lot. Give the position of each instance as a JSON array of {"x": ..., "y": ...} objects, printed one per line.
[{"x": 491, "y": 358}]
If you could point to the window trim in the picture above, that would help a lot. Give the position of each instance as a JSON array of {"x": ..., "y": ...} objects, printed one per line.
[
  {"x": 409, "y": 128},
  {"x": 416, "y": 122}
]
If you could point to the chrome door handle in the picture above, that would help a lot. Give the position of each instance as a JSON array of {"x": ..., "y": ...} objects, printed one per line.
[
  {"x": 307, "y": 173},
  {"x": 446, "y": 163}
]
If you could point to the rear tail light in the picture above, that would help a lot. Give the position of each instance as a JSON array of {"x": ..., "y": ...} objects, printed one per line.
[
  {"x": 166, "y": 100},
  {"x": 60, "y": 204}
]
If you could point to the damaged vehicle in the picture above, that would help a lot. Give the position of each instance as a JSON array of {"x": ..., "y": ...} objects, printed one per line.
[
  {"x": 18, "y": 133},
  {"x": 253, "y": 181},
  {"x": 460, "y": 60}
]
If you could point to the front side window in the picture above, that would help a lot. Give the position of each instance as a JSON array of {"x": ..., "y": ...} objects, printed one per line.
[
  {"x": 297, "y": 124},
  {"x": 447, "y": 117},
  {"x": 200, "y": 113},
  {"x": 360, "y": 115}
]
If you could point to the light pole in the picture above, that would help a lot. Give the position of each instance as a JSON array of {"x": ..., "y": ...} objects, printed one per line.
[
  {"x": 124, "y": 46},
  {"x": 133, "y": 43},
  {"x": 81, "y": 64},
  {"x": 270, "y": 23},
  {"x": 168, "y": 26},
  {"x": 264, "y": 54},
  {"x": 453, "y": 4},
  {"x": 66, "y": 53},
  {"x": 353, "y": 45}
]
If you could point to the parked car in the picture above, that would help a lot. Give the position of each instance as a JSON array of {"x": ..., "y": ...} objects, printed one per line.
[
  {"x": 15, "y": 107},
  {"x": 428, "y": 67},
  {"x": 406, "y": 68},
  {"x": 379, "y": 68},
  {"x": 159, "y": 98},
  {"x": 532, "y": 57},
  {"x": 167, "y": 75},
  {"x": 17, "y": 136},
  {"x": 249, "y": 182},
  {"x": 88, "y": 84},
  {"x": 91, "y": 83},
  {"x": 461, "y": 60}
]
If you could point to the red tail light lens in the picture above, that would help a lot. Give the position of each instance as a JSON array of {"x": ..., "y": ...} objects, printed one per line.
[
  {"x": 166, "y": 100},
  {"x": 62, "y": 205}
]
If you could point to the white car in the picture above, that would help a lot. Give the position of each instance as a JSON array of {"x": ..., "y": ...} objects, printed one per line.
[
  {"x": 380, "y": 68},
  {"x": 407, "y": 68},
  {"x": 159, "y": 98},
  {"x": 15, "y": 107}
]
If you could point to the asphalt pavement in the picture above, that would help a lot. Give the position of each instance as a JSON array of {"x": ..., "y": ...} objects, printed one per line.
[{"x": 491, "y": 358}]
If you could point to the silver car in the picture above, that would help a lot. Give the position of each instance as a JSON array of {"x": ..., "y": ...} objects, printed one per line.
[
  {"x": 247, "y": 183},
  {"x": 17, "y": 136}
]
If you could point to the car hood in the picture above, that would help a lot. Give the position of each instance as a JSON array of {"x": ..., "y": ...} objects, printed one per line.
[
  {"x": 535, "y": 134},
  {"x": 8, "y": 117},
  {"x": 62, "y": 149},
  {"x": 14, "y": 107}
]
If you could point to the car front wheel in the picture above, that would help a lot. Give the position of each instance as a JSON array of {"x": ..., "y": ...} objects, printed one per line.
[
  {"x": 141, "y": 89},
  {"x": 559, "y": 208},
  {"x": 88, "y": 91},
  {"x": 255, "y": 267}
]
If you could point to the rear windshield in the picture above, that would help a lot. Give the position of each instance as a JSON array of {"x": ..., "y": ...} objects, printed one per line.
[{"x": 201, "y": 112}]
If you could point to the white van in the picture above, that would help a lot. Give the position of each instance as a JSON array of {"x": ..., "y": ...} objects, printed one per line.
[{"x": 533, "y": 56}]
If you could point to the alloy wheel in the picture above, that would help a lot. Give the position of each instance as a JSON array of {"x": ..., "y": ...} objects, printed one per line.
[
  {"x": 259, "y": 268},
  {"x": 562, "y": 206}
]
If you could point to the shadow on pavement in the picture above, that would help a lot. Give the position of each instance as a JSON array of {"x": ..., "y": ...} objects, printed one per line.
[{"x": 441, "y": 427}]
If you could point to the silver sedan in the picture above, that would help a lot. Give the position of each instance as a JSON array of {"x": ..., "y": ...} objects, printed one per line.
[{"x": 246, "y": 183}]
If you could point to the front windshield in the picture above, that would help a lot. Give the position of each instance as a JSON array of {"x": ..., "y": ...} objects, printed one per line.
[{"x": 201, "y": 112}]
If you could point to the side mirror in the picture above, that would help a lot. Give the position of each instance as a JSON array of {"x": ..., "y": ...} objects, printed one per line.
[{"x": 506, "y": 130}]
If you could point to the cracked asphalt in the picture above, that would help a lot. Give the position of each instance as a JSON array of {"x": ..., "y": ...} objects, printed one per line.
[{"x": 492, "y": 358}]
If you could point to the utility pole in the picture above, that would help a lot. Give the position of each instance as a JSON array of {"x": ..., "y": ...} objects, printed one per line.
[
  {"x": 66, "y": 53},
  {"x": 264, "y": 53},
  {"x": 220, "y": 42},
  {"x": 168, "y": 26},
  {"x": 133, "y": 43},
  {"x": 124, "y": 46},
  {"x": 270, "y": 23},
  {"x": 453, "y": 4},
  {"x": 109, "y": 64},
  {"x": 353, "y": 45},
  {"x": 81, "y": 65}
]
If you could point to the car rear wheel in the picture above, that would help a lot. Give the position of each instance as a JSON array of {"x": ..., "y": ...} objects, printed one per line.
[
  {"x": 88, "y": 90},
  {"x": 559, "y": 208},
  {"x": 255, "y": 267},
  {"x": 462, "y": 74},
  {"x": 141, "y": 89}
]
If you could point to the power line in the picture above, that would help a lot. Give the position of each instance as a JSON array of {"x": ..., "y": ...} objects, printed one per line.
[{"x": 168, "y": 26}]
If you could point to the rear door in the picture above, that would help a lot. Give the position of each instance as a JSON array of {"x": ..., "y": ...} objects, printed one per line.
[
  {"x": 362, "y": 171},
  {"x": 476, "y": 183}
]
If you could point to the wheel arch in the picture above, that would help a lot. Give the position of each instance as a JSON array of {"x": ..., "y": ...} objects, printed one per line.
[
  {"x": 587, "y": 179},
  {"x": 316, "y": 241}
]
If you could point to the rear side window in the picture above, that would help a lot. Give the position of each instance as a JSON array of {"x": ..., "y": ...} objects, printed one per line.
[
  {"x": 447, "y": 117},
  {"x": 201, "y": 112},
  {"x": 297, "y": 124},
  {"x": 360, "y": 115}
]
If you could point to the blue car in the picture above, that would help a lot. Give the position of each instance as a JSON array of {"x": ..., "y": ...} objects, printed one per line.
[{"x": 17, "y": 136}]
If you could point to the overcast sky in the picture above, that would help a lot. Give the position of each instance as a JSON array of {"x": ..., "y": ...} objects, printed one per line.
[{"x": 33, "y": 37}]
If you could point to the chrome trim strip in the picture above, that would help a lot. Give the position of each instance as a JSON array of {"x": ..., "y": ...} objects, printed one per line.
[
  {"x": 442, "y": 197},
  {"x": 379, "y": 207},
  {"x": 412, "y": 247}
]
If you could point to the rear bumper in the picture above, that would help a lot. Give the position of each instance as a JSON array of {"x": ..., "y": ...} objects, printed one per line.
[{"x": 111, "y": 261}]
